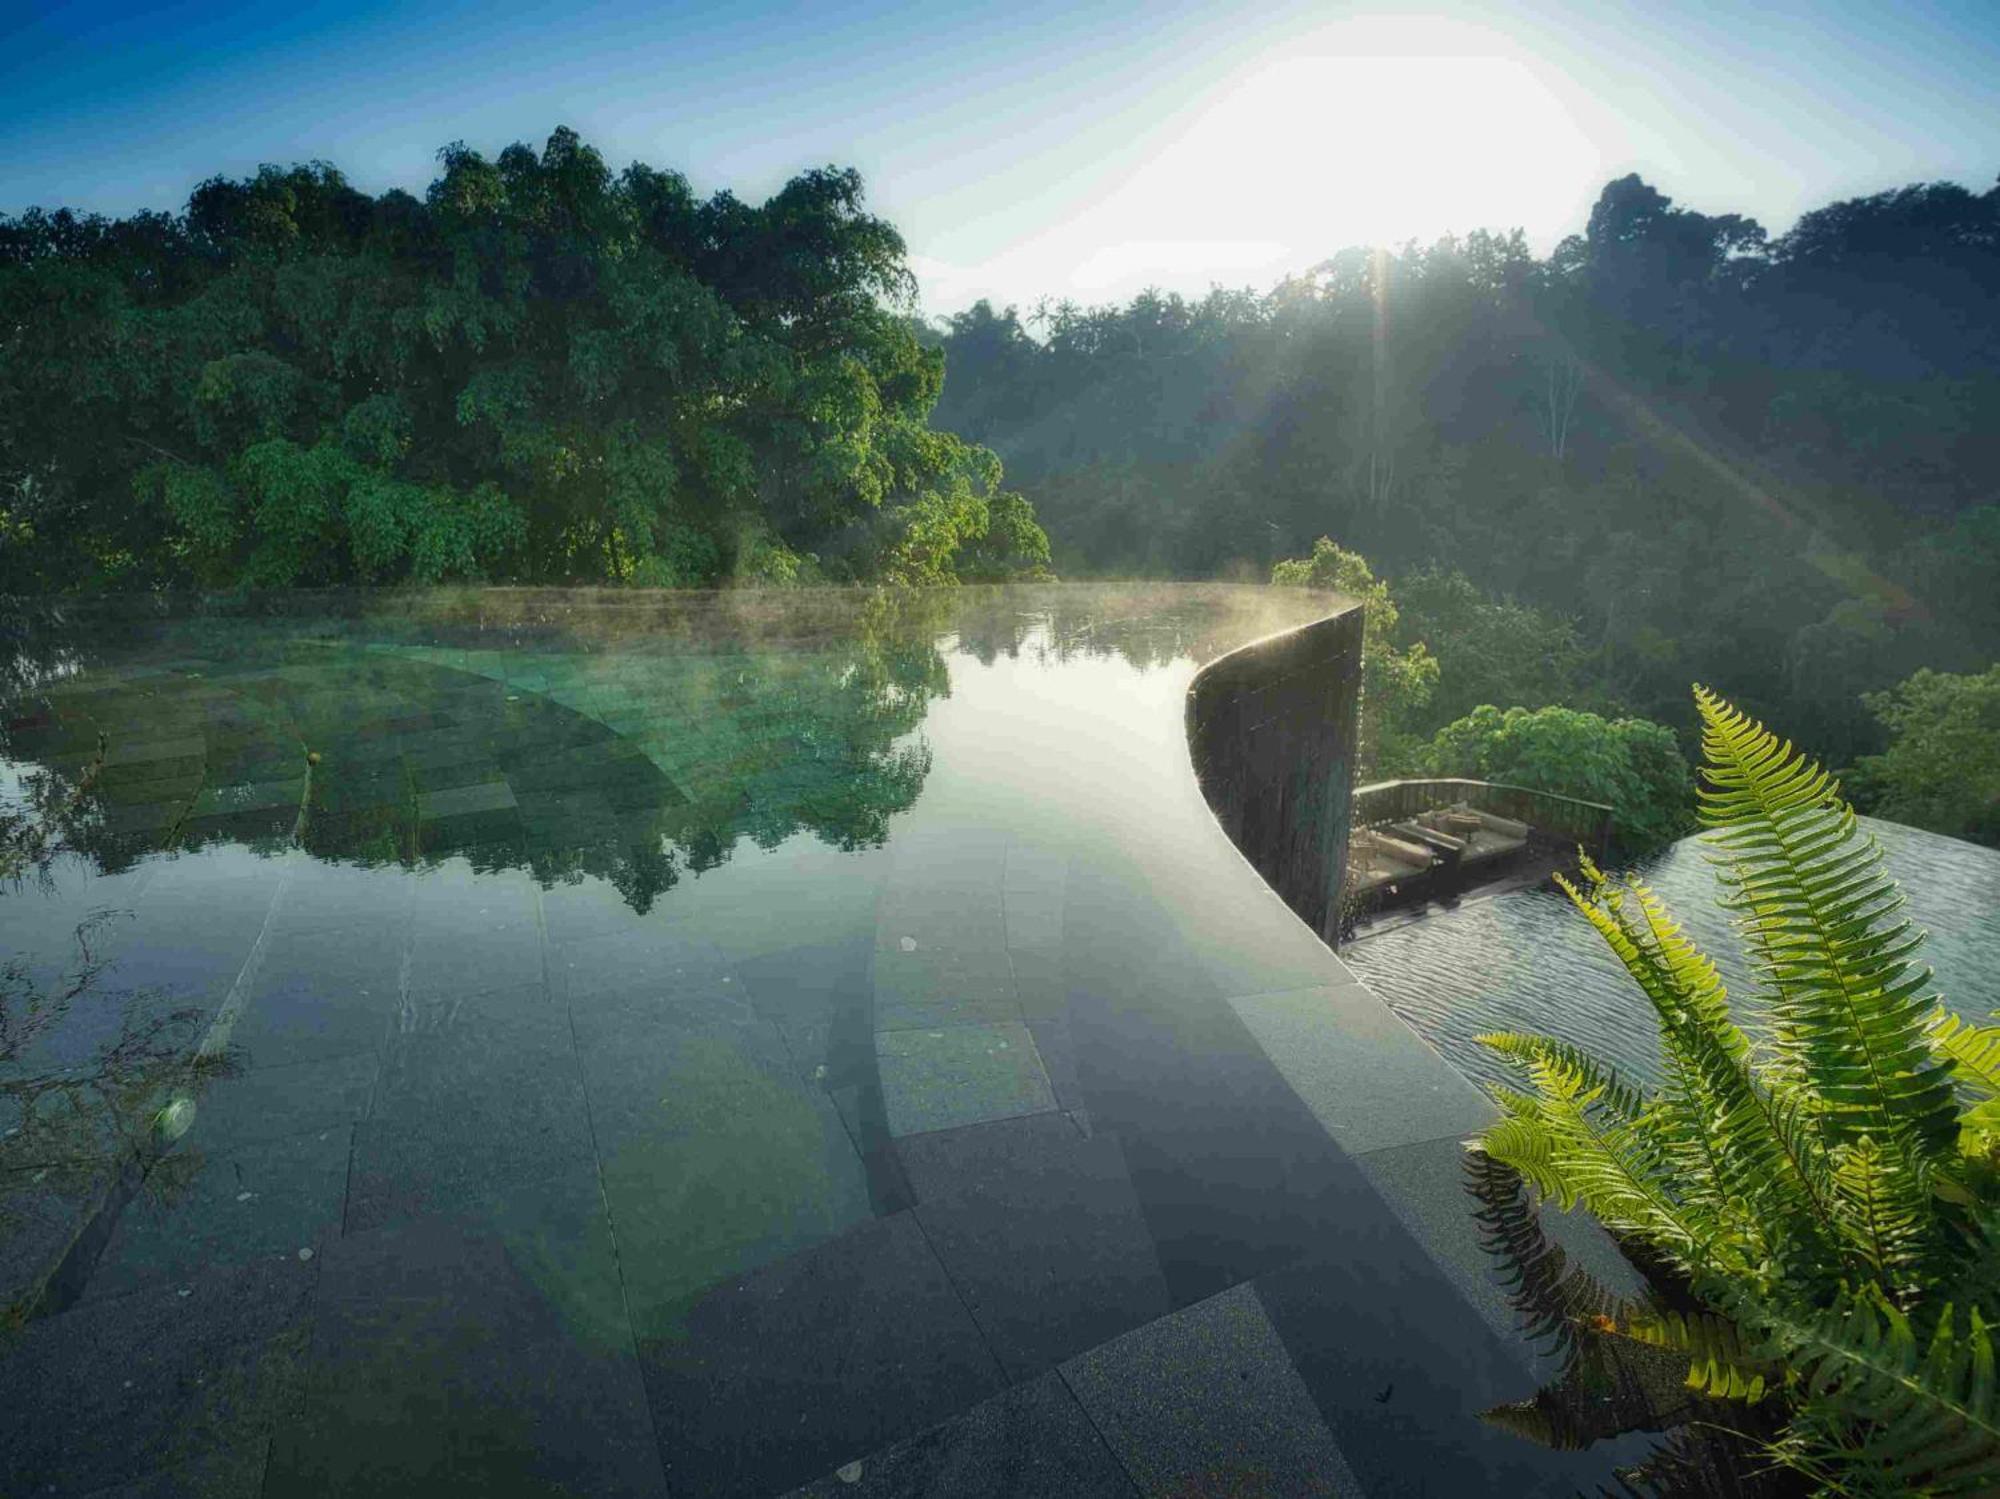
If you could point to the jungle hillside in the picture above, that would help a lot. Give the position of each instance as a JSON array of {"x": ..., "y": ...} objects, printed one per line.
[{"x": 1680, "y": 446}]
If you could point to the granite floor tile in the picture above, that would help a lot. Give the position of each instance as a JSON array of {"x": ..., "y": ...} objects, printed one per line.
[
  {"x": 479, "y": 1352},
  {"x": 1030, "y": 1442},
  {"x": 1401, "y": 1365},
  {"x": 203, "y": 1208},
  {"x": 1207, "y": 1402},
  {"x": 933, "y": 986},
  {"x": 1368, "y": 1078},
  {"x": 478, "y": 1092},
  {"x": 267, "y": 1103},
  {"x": 876, "y": 1346},
  {"x": 1041, "y": 1233},
  {"x": 638, "y": 963},
  {"x": 1424, "y": 1185},
  {"x": 231, "y": 1473},
  {"x": 958, "y": 1075},
  {"x": 117, "y": 1390},
  {"x": 716, "y": 1160}
]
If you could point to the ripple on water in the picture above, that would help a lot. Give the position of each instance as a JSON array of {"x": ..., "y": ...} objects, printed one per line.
[{"x": 1527, "y": 960}]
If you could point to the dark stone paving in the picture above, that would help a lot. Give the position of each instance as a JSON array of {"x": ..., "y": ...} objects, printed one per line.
[
  {"x": 113, "y": 1390},
  {"x": 812, "y": 1362},
  {"x": 1030, "y": 1442},
  {"x": 1041, "y": 1233},
  {"x": 1039, "y": 1152},
  {"x": 1207, "y": 1402},
  {"x": 481, "y": 1353}
]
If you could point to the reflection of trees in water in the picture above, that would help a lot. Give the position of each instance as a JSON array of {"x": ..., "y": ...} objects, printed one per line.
[
  {"x": 78, "y": 1134},
  {"x": 631, "y": 738}
]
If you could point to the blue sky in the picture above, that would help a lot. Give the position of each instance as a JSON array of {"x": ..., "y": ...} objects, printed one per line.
[{"x": 1036, "y": 149}]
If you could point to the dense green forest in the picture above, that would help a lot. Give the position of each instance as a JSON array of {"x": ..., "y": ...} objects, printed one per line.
[
  {"x": 537, "y": 371},
  {"x": 1677, "y": 448}
]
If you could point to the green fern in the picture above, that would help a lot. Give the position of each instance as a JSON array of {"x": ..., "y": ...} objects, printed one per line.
[{"x": 1821, "y": 1192}]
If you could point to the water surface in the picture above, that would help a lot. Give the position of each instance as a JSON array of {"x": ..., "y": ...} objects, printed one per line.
[{"x": 1527, "y": 959}]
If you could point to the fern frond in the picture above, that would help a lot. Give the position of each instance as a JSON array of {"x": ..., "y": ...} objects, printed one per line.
[
  {"x": 1887, "y": 1211},
  {"x": 1721, "y": 1362},
  {"x": 1552, "y": 1298},
  {"x": 1737, "y": 1142},
  {"x": 1814, "y": 904},
  {"x": 1904, "y": 1415},
  {"x": 1600, "y": 1080},
  {"x": 1973, "y": 1051},
  {"x": 1570, "y": 1157}
]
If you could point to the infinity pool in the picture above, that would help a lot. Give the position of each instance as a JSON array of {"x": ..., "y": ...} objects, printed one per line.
[{"x": 702, "y": 1045}]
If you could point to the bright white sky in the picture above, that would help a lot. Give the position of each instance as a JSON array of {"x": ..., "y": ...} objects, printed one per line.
[{"x": 1061, "y": 148}]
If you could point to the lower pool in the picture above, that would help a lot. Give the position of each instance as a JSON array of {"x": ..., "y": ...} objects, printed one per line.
[{"x": 1527, "y": 959}]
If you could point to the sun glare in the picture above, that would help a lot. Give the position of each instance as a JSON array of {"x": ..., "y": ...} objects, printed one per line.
[{"x": 1320, "y": 152}]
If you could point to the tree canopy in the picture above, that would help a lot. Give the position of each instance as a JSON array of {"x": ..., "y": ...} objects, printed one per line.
[
  {"x": 1942, "y": 768},
  {"x": 540, "y": 370},
  {"x": 1630, "y": 764},
  {"x": 1766, "y": 460}
]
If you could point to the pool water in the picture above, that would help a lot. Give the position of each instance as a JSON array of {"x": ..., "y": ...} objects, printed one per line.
[
  {"x": 702, "y": 1044},
  {"x": 1527, "y": 959}
]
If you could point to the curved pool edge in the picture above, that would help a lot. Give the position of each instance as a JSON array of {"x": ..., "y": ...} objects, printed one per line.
[
  {"x": 1270, "y": 727},
  {"x": 1384, "y": 1092}
]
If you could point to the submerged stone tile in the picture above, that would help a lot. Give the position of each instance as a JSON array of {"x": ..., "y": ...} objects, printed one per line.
[
  {"x": 172, "y": 1375},
  {"x": 942, "y": 917},
  {"x": 961, "y": 1074},
  {"x": 1042, "y": 1234},
  {"x": 1424, "y": 1185},
  {"x": 1368, "y": 1078},
  {"x": 202, "y": 1209},
  {"x": 477, "y": 1352},
  {"x": 1206, "y": 1401},
  {"x": 1042, "y": 982},
  {"x": 229, "y": 1473},
  {"x": 917, "y": 985},
  {"x": 715, "y": 1157},
  {"x": 1402, "y": 1366},
  {"x": 857, "y": 1343},
  {"x": 268, "y": 1103},
  {"x": 466, "y": 801},
  {"x": 1030, "y": 1442},
  {"x": 484, "y": 1091},
  {"x": 639, "y": 962}
]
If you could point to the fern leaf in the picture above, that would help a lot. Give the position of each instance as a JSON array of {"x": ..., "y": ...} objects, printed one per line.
[
  {"x": 1598, "y": 1079},
  {"x": 1720, "y": 1362},
  {"x": 1915, "y": 1417},
  {"x": 1974, "y": 1051},
  {"x": 1552, "y": 1298},
  {"x": 1739, "y": 1144},
  {"x": 1814, "y": 906}
]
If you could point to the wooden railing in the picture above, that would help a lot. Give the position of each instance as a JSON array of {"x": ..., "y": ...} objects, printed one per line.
[{"x": 1563, "y": 817}]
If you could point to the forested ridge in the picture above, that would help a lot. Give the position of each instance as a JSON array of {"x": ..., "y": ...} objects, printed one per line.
[
  {"x": 1677, "y": 448},
  {"x": 539, "y": 370}
]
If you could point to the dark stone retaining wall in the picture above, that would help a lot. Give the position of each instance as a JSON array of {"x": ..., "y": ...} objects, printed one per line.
[{"x": 1273, "y": 728}]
